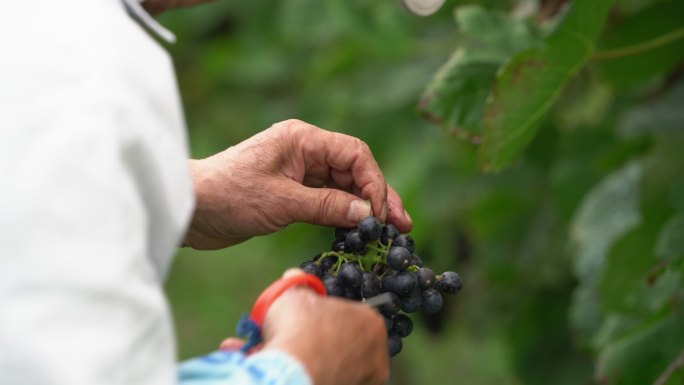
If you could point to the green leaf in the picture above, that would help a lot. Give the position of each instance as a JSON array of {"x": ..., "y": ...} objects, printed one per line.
[
  {"x": 643, "y": 353},
  {"x": 607, "y": 212},
  {"x": 456, "y": 96},
  {"x": 645, "y": 44},
  {"x": 662, "y": 116},
  {"x": 529, "y": 84},
  {"x": 671, "y": 239}
]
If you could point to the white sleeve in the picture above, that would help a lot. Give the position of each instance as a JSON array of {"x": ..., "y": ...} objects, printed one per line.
[{"x": 94, "y": 196}]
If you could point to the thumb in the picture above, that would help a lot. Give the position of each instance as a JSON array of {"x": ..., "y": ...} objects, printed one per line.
[{"x": 328, "y": 207}]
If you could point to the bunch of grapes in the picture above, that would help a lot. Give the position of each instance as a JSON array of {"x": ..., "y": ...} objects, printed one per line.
[{"x": 374, "y": 259}]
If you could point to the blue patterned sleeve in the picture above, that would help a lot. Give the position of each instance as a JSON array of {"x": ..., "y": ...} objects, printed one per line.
[{"x": 270, "y": 367}]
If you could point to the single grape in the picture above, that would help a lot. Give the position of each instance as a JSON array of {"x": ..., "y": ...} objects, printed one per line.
[
  {"x": 338, "y": 246},
  {"x": 432, "y": 301},
  {"x": 370, "y": 285},
  {"x": 341, "y": 233},
  {"x": 333, "y": 286},
  {"x": 405, "y": 282},
  {"x": 370, "y": 228},
  {"x": 402, "y": 325},
  {"x": 411, "y": 303},
  {"x": 426, "y": 278},
  {"x": 310, "y": 267},
  {"x": 416, "y": 261},
  {"x": 394, "y": 343},
  {"x": 354, "y": 243},
  {"x": 389, "y": 280},
  {"x": 388, "y": 232},
  {"x": 350, "y": 275},
  {"x": 449, "y": 282},
  {"x": 327, "y": 263},
  {"x": 392, "y": 307},
  {"x": 353, "y": 294},
  {"x": 399, "y": 258},
  {"x": 405, "y": 241}
]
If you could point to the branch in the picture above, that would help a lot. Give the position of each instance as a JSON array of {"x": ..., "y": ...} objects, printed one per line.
[
  {"x": 641, "y": 47},
  {"x": 677, "y": 363}
]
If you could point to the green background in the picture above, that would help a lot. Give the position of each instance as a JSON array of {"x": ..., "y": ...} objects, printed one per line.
[{"x": 571, "y": 254}]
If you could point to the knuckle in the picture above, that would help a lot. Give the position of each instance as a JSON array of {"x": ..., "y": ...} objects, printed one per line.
[{"x": 324, "y": 206}]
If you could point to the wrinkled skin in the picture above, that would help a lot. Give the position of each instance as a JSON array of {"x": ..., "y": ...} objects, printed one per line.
[{"x": 291, "y": 172}]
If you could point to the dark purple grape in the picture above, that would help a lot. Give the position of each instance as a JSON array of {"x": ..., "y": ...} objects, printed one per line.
[
  {"x": 333, "y": 286},
  {"x": 317, "y": 257},
  {"x": 432, "y": 301},
  {"x": 353, "y": 294},
  {"x": 394, "y": 344},
  {"x": 392, "y": 307},
  {"x": 449, "y": 282},
  {"x": 405, "y": 282},
  {"x": 405, "y": 241},
  {"x": 388, "y": 232},
  {"x": 389, "y": 280},
  {"x": 350, "y": 275},
  {"x": 426, "y": 278},
  {"x": 310, "y": 267},
  {"x": 411, "y": 303},
  {"x": 341, "y": 233},
  {"x": 327, "y": 263},
  {"x": 370, "y": 285},
  {"x": 369, "y": 229},
  {"x": 399, "y": 258},
  {"x": 416, "y": 261},
  {"x": 354, "y": 243},
  {"x": 402, "y": 325},
  {"x": 337, "y": 246}
]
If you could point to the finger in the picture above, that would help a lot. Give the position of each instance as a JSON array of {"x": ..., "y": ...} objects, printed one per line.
[
  {"x": 396, "y": 213},
  {"x": 292, "y": 272},
  {"x": 232, "y": 343},
  {"x": 324, "y": 206},
  {"x": 345, "y": 153}
]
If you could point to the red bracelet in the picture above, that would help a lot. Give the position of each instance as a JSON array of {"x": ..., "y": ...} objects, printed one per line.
[{"x": 277, "y": 288}]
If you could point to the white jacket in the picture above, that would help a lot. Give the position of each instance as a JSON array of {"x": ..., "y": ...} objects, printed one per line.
[{"x": 94, "y": 195}]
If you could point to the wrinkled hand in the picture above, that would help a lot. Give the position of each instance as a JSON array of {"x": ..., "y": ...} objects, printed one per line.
[
  {"x": 156, "y": 7},
  {"x": 340, "y": 342},
  {"x": 291, "y": 172}
]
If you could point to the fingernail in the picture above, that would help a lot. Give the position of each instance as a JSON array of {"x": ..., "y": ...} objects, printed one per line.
[
  {"x": 292, "y": 272},
  {"x": 358, "y": 209},
  {"x": 383, "y": 212},
  {"x": 407, "y": 216}
]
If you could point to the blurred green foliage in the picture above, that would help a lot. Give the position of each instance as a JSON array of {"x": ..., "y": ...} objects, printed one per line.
[{"x": 571, "y": 256}]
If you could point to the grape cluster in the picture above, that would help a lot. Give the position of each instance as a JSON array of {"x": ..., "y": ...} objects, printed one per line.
[{"x": 373, "y": 259}]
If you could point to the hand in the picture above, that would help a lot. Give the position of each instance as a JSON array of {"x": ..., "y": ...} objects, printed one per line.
[
  {"x": 340, "y": 342},
  {"x": 291, "y": 172},
  {"x": 156, "y": 7}
]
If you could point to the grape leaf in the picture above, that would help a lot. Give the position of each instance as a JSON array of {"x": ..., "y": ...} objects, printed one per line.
[
  {"x": 643, "y": 45},
  {"x": 662, "y": 116},
  {"x": 671, "y": 239},
  {"x": 643, "y": 353},
  {"x": 606, "y": 213},
  {"x": 529, "y": 84},
  {"x": 456, "y": 96}
]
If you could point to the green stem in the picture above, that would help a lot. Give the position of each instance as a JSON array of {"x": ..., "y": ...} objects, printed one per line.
[{"x": 641, "y": 47}]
